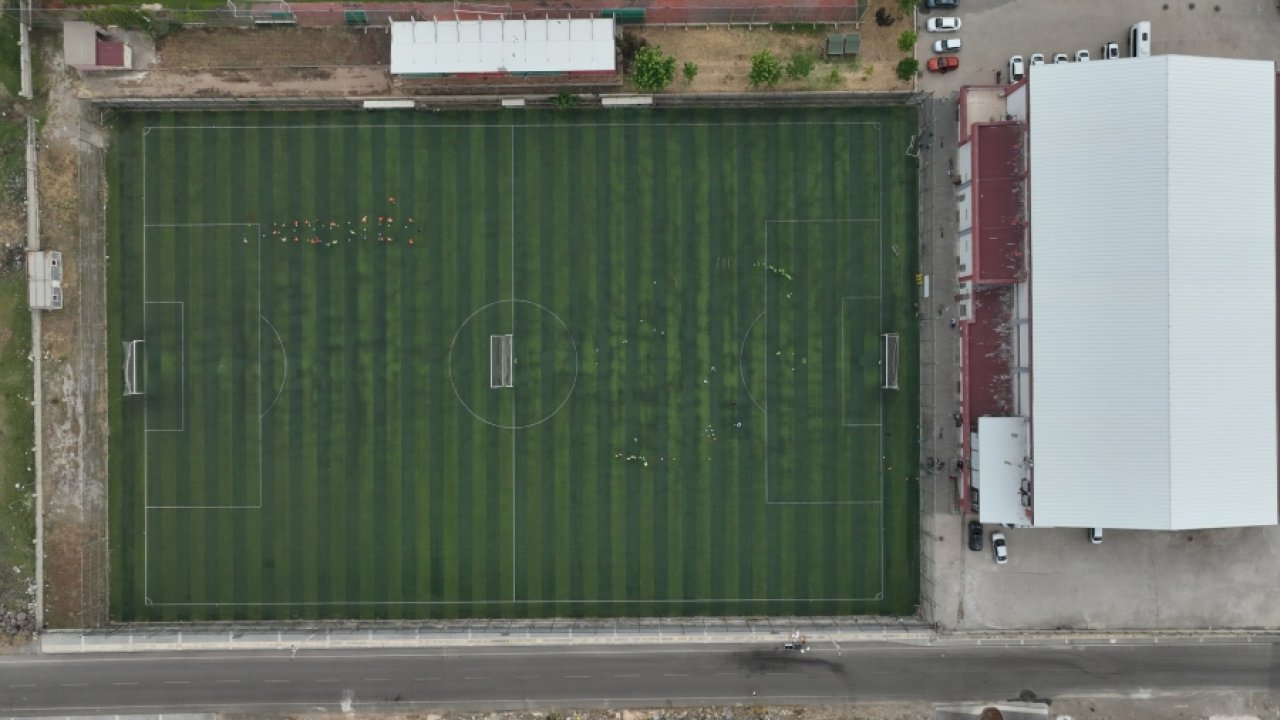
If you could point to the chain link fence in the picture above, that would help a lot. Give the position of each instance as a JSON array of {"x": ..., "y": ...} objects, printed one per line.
[{"x": 275, "y": 14}]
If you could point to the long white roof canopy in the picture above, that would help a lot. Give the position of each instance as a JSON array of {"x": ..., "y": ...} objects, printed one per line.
[
  {"x": 1153, "y": 287},
  {"x": 439, "y": 47}
]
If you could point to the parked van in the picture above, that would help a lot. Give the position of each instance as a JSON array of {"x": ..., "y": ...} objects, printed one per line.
[{"x": 1140, "y": 39}]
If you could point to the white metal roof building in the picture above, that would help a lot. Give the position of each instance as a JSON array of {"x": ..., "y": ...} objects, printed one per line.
[
  {"x": 1153, "y": 281},
  {"x": 515, "y": 46},
  {"x": 44, "y": 279}
]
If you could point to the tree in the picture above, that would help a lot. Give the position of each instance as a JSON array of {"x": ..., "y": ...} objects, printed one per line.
[
  {"x": 907, "y": 68},
  {"x": 690, "y": 71},
  {"x": 906, "y": 6},
  {"x": 652, "y": 70},
  {"x": 883, "y": 18},
  {"x": 800, "y": 66},
  {"x": 907, "y": 40},
  {"x": 631, "y": 44},
  {"x": 766, "y": 69}
]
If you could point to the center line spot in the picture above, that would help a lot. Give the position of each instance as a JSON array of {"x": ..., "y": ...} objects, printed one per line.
[
  {"x": 377, "y": 679},
  {"x": 277, "y": 681},
  {"x": 74, "y": 684},
  {"x": 577, "y": 677},
  {"x": 675, "y": 674},
  {"x": 125, "y": 683},
  {"x": 177, "y": 682}
]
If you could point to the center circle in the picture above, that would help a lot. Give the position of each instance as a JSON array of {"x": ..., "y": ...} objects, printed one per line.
[{"x": 533, "y": 382}]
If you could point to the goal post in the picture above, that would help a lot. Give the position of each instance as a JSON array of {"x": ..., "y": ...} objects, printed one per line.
[
  {"x": 131, "y": 348},
  {"x": 890, "y": 342}
]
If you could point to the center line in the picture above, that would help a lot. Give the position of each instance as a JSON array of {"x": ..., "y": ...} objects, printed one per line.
[{"x": 177, "y": 682}]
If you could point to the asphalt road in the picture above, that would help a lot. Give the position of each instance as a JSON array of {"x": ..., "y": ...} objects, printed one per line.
[{"x": 545, "y": 678}]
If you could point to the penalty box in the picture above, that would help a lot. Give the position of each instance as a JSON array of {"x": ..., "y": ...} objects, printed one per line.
[
  {"x": 824, "y": 363},
  {"x": 201, "y": 372}
]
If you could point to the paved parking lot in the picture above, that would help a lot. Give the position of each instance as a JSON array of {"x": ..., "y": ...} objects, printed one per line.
[
  {"x": 995, "y": 29},
  {"x": 1056, "y": 578}
]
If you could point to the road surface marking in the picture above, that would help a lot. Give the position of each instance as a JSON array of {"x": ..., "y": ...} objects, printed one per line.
[
  {"x": 377, "y": 679},
  {"x": 326, "y": 680},
  {"x": 74, "y": 684},
  {"x": 125, "y": 683},
  {"x": 278, "y": 681},
  {"x": 675, "y": 674},
  {"x": 727, "y": 674},
  {"x": 227, "y": 682},
  {"x": 177, "y": 682},
  {"x": 577, "y": 677}
]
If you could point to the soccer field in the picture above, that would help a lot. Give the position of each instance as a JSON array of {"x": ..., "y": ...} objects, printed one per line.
[{"x": 512, "y": 364}]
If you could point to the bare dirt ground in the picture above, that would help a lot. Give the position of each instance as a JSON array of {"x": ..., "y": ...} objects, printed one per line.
[
  {"x": 861, "y": 711},
  {"x": 723, "y": 56},
  {"x": 73, "y": 339},
  {"x": 277, "y": 47}
]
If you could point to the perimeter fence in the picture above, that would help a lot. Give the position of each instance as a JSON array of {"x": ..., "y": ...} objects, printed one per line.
[{"x": 380, "y": 15}]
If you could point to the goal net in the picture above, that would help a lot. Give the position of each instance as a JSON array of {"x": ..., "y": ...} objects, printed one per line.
[
  {"x": 500, "y": 361},
  {"x": 131, "y": 367},
  {"x": 890, "y": 341}
]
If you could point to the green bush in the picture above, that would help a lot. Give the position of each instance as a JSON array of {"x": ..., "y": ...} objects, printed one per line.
[
  {"x": 690, "y": 71},
  {"x": 565, "y": 100},
  {"x": 905, "y": 6},
  {"x": 907, "y": 68},
  {"x": 652, "y": 70},
  {"x": 907, "y": 41},
  {"x": 800, "y": 66},
  {"x": 766, "y": 69},
  {"x": 129, "y": 18}
]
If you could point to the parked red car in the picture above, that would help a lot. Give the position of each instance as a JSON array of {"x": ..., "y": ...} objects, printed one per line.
[{"x": 943, "y": 63}]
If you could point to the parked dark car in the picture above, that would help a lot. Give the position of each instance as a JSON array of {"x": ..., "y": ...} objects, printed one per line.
[
  {"x": 975, "y": 535},
  {"x": 942, "y": 4}
]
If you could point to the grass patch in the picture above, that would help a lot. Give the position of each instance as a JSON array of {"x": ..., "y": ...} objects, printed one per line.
[
  {"x": 10, "y": 55},
  {"x": 17, "y": 480},
  {"x": 800, "y": 28}
]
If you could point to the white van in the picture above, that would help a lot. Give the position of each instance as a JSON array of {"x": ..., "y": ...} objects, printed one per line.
[{"x": 1140, "y": 39}]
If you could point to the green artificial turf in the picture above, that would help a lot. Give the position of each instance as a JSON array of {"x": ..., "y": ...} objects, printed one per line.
[{"x": 696, "y": 300}]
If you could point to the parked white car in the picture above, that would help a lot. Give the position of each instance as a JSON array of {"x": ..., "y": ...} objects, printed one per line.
[
  {"x": 999, "y": 548},
  {"x": 1060, "y": 58},
  {"x": 943, "y": 24},
  {"x": 1082, "y": 56},
  {"x": 950, "y": 45},
  {"x": 1017, "y": 70},
  {"x": 1036, "y": 59},
  {"x": 1110, "y": 51}
]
